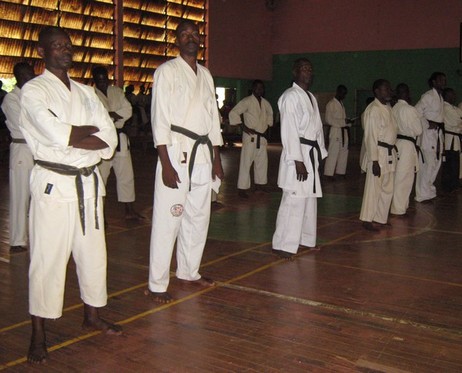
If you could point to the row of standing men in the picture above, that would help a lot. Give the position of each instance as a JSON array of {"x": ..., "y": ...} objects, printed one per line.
[{"x": 69, "y": 128}]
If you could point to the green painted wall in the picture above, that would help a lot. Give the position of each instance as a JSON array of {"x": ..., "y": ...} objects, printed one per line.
[{"x": 358, "y": 70}]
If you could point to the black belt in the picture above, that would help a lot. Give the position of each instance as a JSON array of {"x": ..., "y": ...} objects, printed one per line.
[
  {"x": 199, "y": 140},
  {"x": 314, "y": 145},
  {"x": 389, "y": 147},
  {"x": 19, "y": 141},
  {"x": 347, "y": 131},
  {"x": 414, "y": 141},
  {"x": 64, "y": 169},
  {"x": 259, "y": 136},
  {"x": 459, "y": 135},
  {"x": 119, "y": 131}
]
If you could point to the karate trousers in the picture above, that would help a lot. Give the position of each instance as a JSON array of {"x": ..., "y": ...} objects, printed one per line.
[
  {"x": 426, "y": 176},
  {"x": 182, "y": 215},
  {"x": 404, "y": 180},
  {"x": 337, "y": 158},
  {"x": 21, "y": 163},
  {"x": 378, "y": 193},
  {"x": 259, "y": 157},
  {"x": 121, "y": 162},
  {"x": 55, "y": 233},
  {"x": 296, "y": 223}
]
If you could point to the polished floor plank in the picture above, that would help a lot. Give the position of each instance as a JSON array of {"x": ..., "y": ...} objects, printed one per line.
[{"x": 386, "y": 301}]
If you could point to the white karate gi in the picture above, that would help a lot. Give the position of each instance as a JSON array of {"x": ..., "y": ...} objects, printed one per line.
[
  {"x": 257, "y": 116},
  {"x": 121, "y": 162},
  {"x": 21, "y": 163},
  {"x": 379, "y": 125},
  {"x": 430, "y": 107},
  {"x": 408, "y": 121},
  {"x": 451, "y": 167},
  {"x": 296, "y": 220},
  {"x": 184, "y": 99},
  {"x": 453, "y": 123},
  {"x": 48, "y": 109},
  {"x": 337, "y": 159}
]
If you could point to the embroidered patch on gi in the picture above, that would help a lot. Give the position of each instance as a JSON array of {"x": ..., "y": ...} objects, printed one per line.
[
  {"x": 177, "y": 210},
  {"x": 48, "y": 188},
  {"x": 185, "y": 158}
]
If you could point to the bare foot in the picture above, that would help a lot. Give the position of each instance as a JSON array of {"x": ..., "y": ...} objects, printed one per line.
[
  {"x": 162, "y": 298},
  {"x": 283, "y": 254},
  {"x": 203, "y": 281},
  {"x": 37, "y": 353},
  {"x": 17, "y": 249},
  {"x": 92, "y": 321},
  {"x": 103, "y": 325},
  {"x": 135, "y": 216},
  {"x": 367, "y": 225}
]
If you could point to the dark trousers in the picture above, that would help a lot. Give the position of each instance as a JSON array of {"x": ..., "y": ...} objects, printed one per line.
[{"x": 450, "y": 171}]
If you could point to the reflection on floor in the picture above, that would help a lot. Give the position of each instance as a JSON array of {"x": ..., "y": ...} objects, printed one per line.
[{"x": 387, "y": 301}]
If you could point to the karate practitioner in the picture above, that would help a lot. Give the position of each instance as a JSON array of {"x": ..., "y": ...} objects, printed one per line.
[
  {"x": 380, "y": 132},
  {"x": 257, "y": 117},
  {"x": 21, "y": 161},
  {"x": 452, "y": 116},
  {"x": 430, "y": 108},
  {"x": 336, "y": 162},
  {"x": 186, "y": 130},
  {"x": 120, "y": 110},
  {"x": 409, "y": 127},
  {"x": 303, "y": 148},
  {"x": 68, "y": 131}
]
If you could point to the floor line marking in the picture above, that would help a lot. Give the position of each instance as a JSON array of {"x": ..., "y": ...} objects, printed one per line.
[
  {"x": 346, "y": 310},
  {"x": 387, "y": 273},
  {"x": 146, "y": 313},
  {"x": 135, "y": 287}
]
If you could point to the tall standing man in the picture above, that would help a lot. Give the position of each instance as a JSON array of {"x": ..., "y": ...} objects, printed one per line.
[
  {"x": 120, "y": 110},
  {"x": 430, "y": 108},
  {"x": 21, "y": 161},
  {"x": 68, "y": 131},
  {"x": 380, "y": 132},
  {"x": 407, "y": 164},
  {"x": 336, "y": 162},
  {"x": 303, "y": 149},
  {"x": 255, "y": 115},
  {"x": 452, "y": 146},
  {"x": 186, "y": 131}
]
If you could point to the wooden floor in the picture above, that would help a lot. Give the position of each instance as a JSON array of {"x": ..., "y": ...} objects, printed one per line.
[{"x": 366, "y": 302}]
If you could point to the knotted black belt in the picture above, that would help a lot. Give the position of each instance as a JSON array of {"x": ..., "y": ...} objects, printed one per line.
[
  {"x": 459, "y": 135},
  {"x": 390, "y": 149},
  {"x": 345, "y": 130},
  {"x": 414, "y": 141},
  {"x": 199, "y": 140},
  {"x": 259, "y": 136},
  {"x": 64, "y": 169},
  {"x": 19, "y": 141},
  {"x": 314, "y": 145},
  {"x": 438, "y": 142}
]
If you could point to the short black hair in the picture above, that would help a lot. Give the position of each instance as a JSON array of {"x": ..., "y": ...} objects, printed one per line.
[
  {"x": 20, "y": 67},
  {"x": 434, "y": 76},
  {"x": 401, "y": 87},
  {"x": 47, "y": 32},
  {"x": 256, "y": 82},
  {"x": 183, "y": 24},
  {"x": 378, "y": 83},
  {"x": 99, "y": 70}
]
